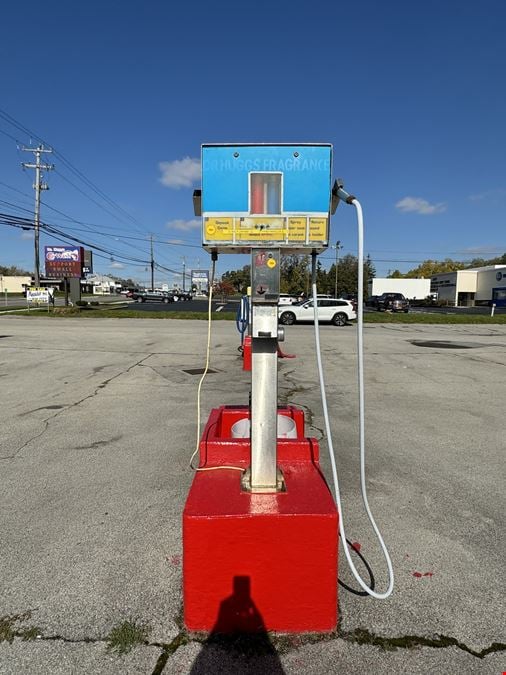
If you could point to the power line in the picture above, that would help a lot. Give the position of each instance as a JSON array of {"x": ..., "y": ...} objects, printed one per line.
[{"x": 78, "y": 173}]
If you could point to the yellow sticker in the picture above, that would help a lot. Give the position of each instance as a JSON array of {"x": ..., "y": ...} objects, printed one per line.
[
  {"x": 271, "y": 263},
  {"x": 317, "y": 229}
]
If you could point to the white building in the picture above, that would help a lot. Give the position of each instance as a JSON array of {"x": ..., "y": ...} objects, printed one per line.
[
  {"x": 98, "y": 284},
  {"x": 477, "y": 286},
  {"x": 412, "y": 289},
  {"x": 14, "y": 284}
]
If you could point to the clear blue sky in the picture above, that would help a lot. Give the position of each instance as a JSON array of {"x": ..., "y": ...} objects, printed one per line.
[{"x": 411, "y": 94}]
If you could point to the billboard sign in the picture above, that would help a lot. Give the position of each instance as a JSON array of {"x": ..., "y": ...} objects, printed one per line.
[
  {"x": 87, "y": 261},
  {"x": 64, "y": 261},
  {"x": 200, "y": 277}
]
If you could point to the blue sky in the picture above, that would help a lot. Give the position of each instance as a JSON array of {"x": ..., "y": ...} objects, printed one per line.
[{"x": 411, "y": 94}]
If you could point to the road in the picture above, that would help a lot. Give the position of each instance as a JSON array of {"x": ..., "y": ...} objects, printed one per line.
[{"x": 97, "y": 427}]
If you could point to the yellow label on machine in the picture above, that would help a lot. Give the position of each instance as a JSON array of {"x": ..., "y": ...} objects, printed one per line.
[
  {"x": 297, "y": 229},
  {"x": 260, "y": 229},
  {"x": 317, "y": 229},
  {"x": 219, "y": 228},
  {"x": 282, "y": 229}
]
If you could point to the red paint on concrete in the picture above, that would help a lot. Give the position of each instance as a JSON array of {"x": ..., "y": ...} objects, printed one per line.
[
  {"x": 355, "y": 545},
  {"x": 255, "y": 562}
]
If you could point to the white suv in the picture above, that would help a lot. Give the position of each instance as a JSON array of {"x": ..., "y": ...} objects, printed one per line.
[{"x": 338, "y": 311}]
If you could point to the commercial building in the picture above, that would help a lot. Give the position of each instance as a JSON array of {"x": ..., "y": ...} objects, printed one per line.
[
  {"x": 477, "y": 286},
  {"x": 14, "y": 284},
  {"x": 412, "y": 289},
  {"x": 98, "y": 284}
]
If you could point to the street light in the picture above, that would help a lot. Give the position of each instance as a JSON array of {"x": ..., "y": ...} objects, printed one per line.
[{"x": 337, "y": 247}]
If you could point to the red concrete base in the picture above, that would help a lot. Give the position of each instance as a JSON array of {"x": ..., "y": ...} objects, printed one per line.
[
  {"x": 255, "y": 562},
  {"x": 246, "y": 353}
]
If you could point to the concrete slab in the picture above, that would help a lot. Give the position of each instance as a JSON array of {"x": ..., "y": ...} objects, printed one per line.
[
  {"x": 335, "y": 656},
  {"x": 55, "y": 657},
  {"x": 97, "y": 424}
]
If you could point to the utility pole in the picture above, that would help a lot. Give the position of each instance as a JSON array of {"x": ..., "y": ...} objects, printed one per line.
[
  {"x": 184, "y": 272},
  {"x": 38, "y": 186},
  {"x": 152, "y": 266},
  {"x": 337, "y": 247}
]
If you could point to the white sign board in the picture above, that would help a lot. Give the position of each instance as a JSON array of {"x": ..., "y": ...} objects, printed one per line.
[{"x": 37, "y": 296}]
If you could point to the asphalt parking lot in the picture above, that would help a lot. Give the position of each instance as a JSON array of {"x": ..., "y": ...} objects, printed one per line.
[{"x": 98, "y": 422}]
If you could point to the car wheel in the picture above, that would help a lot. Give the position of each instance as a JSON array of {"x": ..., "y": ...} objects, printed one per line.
[
  {"x": 287, "y": 318},
  {"x": 176, "y": 298},
  {"x": 139, "y": 300},
  {"x": 339, "y": 319},
  {"x": 166, "y": 300}
]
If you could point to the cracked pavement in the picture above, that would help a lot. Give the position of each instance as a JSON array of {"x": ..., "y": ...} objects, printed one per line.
[{"x": 97, "y": 427}]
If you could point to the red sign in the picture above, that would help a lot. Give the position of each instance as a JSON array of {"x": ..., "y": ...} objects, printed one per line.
[{"x": 64, "y": 261}]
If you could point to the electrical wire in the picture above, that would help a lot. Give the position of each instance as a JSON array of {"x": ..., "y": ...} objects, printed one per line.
[
  {"x": 79, "y": 174},
  {"x": 208, "y": 358},
  {"x": 361, "y": 405}
]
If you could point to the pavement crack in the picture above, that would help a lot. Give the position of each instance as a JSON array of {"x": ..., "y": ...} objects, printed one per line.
[
  {"x": 32, "y": 438},
  {"x": 361, "y": 636},
  {"x": 64, "y": 409},
  {"x": 180, "y": 640}
]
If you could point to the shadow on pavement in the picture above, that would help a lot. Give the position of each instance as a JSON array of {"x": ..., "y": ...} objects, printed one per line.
[{"x": 239, "y": 642}]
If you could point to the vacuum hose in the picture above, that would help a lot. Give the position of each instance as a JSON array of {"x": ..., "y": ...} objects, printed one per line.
[{"x": 360, "y": 354}]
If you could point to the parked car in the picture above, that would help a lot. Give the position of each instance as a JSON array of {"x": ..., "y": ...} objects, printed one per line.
[
  {"x": 178, "y": 295},
  {"x": 336, "y": 310},
  {"x": 394, "y": 302},
  {"x": 152, "y": 296},
  {"x": 287, "y": 299}
]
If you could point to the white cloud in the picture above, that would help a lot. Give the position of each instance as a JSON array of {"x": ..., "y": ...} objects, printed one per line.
[
  {"x": 180, "y": 173},
  {"x": 176, "y": 241},
  {"x": 26, "y": 235},
  {"x": 117, "y": 266},
  {"x": 184, "y": 225},
  {"x": 419, "y": 205},
  {"x": 494, "y": 195}
]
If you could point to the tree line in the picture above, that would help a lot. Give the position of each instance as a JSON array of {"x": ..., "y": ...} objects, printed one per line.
[{"x": 429, "y": 267}]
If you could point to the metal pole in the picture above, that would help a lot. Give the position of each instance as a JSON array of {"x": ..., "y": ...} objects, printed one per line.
[
  {"x": 152, "y": 267},
  {"x": 338, "y": 242},
  {"x": 184, "y": 272}
]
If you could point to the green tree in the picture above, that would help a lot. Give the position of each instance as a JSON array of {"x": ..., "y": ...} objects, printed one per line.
[
  {"x": 295, "y": 273},
  {"x": 13, "y": 271},
  {"x": 239, "y": 279},
  {"x": 430, "y": 267}
]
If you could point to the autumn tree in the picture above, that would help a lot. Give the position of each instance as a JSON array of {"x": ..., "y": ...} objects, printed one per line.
[{"x": 240, "y": 279}]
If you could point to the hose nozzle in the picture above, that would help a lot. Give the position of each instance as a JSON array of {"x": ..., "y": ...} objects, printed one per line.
[{"x": 339, "y": 193}]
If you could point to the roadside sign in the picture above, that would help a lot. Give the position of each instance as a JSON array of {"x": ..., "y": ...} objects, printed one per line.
[
  {"x": 64, "y": 261},
  {"x": 37, "y": 296}
]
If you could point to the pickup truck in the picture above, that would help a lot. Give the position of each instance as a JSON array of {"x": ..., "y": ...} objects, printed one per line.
[
  {"x": 152, "y": 296},
  {"x": 394, "y": 302}
]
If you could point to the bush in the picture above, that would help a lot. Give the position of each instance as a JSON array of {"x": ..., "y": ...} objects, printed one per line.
[
  {"x": 95, "y": 303},
  {"x": 81, "y": 303}
]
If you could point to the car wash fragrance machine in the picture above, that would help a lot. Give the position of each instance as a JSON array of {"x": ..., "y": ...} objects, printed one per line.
[{"x": 270, "y": 528}]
